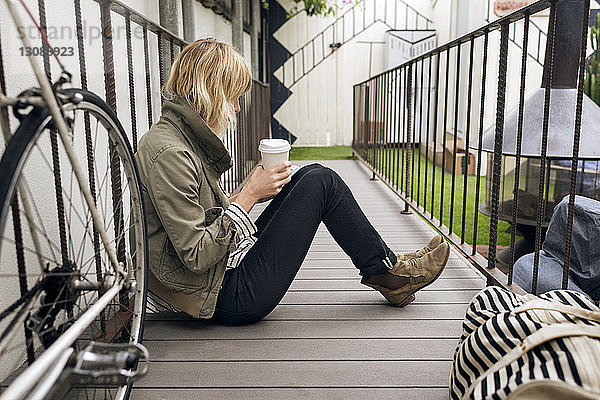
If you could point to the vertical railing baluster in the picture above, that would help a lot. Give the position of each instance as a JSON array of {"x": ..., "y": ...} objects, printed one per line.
[
  {"x": 5, "y": 127},
  {"x": 161, "y": 62},
  {"x": 397, "y": 105},
  {"x": 414, "y": 130},
  {"x": 409, "y": 94},
  {"x": 480, "y": 141},
  {"x": 372, "y": 123},
  {"x": 376, "y": 124},
  {"x": 380, "y": 115},
  {"x": 355, "y": 116},
  {"x": 171, "y": 52},
  {"x": 384, "y": 119},
  {"x": 56, "y": 165},
  {"x": 545, "y": 126},
  {"x": 89, "y": 145},
  {"x": 420, "y": 133},
  {"x": 499, "y": 133},
  {"x": 515, "y": 206},
  {"x": 381, "y": 125},
  {"x": 16, "y": 217},
  {"x": 467, "y": 141},
  {"x": 147, "y": 73},
  {"x": 399, "y": 109},
  {"x": 427, "y": 130},
  {"x": 444, "y": 137},
  {"x": 390, "y": 137},
  {"x": 455, "y": 135},
  {"x": 132, "y": 108},
  {"x": 435, "y": 129},
  {"x": 111, "y": 100},
  {"x": 367, "y": 123},
  {"x": 576, "y": 140},
  {"x": 389, "y": 124},
  {"x": 403, "y": 154}
]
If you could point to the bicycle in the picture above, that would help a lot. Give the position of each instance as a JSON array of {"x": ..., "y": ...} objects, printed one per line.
[{"x": 73, "y": 278}]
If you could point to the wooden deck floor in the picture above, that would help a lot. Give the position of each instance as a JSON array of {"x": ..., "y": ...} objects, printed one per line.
[{"x": 331, "y": 337}]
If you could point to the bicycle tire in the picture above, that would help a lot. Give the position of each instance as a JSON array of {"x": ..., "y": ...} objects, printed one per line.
[{"x": 20, "y": 148}]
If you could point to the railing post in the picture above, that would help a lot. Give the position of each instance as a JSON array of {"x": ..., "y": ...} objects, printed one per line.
[{"x": 409, "y": 95}]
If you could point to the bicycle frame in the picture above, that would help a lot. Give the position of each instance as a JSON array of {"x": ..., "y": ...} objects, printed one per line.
[{"x": 36, "y": 373}]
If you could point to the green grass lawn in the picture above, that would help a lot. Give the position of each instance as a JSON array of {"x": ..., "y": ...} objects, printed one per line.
[
  {"x": 321, "y": 153},
  {"x": 422, "y": 184},
  {"x": 419, "y": 182}
]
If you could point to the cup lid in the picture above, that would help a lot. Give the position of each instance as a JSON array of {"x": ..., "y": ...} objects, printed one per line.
[{"x": 274, "y": 146}]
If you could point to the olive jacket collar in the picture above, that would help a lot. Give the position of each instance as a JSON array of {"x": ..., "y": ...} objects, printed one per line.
[{"x": 178, "y": 112}]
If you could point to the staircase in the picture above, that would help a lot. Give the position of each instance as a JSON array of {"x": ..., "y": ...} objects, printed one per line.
[
  {"x": 397, "y": 15},
  {"x": 288, "y": 67}
]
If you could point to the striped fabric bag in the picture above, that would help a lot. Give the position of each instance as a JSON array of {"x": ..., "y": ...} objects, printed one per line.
[{"x": 528, "y": 347}]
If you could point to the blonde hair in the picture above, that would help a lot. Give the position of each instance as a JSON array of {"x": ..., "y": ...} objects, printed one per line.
[{"x": 210, "y": 76}]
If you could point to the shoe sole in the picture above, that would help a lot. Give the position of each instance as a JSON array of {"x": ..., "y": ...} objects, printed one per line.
[
  {"x": 406, "y": 301},
  {"x": 408, "y": 298}
]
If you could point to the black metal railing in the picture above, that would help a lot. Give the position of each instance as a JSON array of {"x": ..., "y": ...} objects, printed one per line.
[
  {"x": 253, "y": 124},
  {"x": 426, "y": 127},
  {"x": 142, "y": 69}
]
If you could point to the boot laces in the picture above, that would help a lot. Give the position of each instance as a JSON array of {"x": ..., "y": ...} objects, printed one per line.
[{"x": 413, "y": 262}]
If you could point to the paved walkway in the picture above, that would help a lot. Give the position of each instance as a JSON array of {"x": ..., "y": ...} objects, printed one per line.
[{"x": 331, "y": 337}]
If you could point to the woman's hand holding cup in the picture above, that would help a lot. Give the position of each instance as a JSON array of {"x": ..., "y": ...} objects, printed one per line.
[{"x": 264, "y": 184}]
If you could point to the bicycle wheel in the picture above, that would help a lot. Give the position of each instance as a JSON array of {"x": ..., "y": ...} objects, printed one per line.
[{"x": 53, "y": 266}]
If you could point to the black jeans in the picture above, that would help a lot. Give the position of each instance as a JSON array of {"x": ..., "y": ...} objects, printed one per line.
[{"x": 285, "y": 231}]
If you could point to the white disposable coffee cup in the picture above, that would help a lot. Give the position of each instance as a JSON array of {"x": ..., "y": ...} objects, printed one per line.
[{"x": 274, "y": 151}]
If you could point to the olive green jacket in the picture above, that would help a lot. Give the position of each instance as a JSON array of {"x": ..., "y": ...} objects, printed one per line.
[{"x": 180, "y": 162}]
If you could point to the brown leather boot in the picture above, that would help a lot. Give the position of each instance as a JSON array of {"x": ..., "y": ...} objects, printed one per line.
[
  {"x": 433, "y": 243},
  {"x": 400, "y": 283}
]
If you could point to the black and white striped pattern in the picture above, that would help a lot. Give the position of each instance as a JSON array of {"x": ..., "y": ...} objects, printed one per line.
[
  {"x": 245, "y": 231},
  {"x": 490, "y": 331}
]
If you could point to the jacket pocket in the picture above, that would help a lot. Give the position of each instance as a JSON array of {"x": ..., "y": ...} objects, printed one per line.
[{"x": 175, "y": 275}]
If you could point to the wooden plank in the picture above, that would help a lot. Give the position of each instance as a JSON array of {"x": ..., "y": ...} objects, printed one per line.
[
  {"x": 320, "y": 374},
  {"x": 336, "y": 252},
  {"x": 355, "y": 393},
  {"x": 440, "y": 284},
  {"x": 373, "y": 297},
  {"x": 347, "y": 263},
  {"x": 182, "y": 330},
  {"x": 368, "y": 312},
  {"x": 302, "y": 349},
  {"x": 352, "y": 273},
  {"x": 349, "y": 312},
  {"x": 396, "y": 246}
]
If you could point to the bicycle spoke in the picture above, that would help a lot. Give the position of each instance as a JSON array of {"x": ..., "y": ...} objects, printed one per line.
[{"x": 42, "y": 227}]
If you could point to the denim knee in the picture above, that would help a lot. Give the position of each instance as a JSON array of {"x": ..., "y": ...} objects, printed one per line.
[{"x": 322, "y": 170}]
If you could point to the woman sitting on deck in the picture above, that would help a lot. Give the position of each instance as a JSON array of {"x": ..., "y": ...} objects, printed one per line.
[{"x": 207, "y": 258}]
